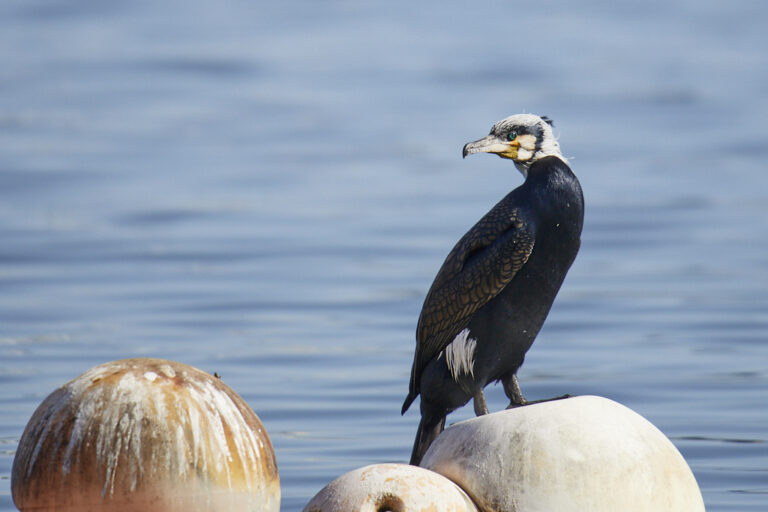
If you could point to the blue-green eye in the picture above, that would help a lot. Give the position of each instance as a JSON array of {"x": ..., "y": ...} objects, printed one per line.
[{"x": 512, "y": 135}]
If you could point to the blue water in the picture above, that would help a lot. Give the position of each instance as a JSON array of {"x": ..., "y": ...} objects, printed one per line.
[{"x": 266, "y": 190}]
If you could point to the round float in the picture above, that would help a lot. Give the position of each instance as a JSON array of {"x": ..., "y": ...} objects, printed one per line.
[
  {"x": 145, "y": 434},
  {"x": 390, "y": 488},
  {"x": 571, "y": 455}
]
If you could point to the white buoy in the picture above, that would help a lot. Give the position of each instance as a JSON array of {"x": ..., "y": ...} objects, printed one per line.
[
  {"x": 574, "y": 455},
  {"x": 391, "y": 488},
  {"x": 149, "y": 435}
]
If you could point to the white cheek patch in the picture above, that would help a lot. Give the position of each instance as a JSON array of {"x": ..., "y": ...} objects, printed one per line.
[
  {"x": 523, "y": 155},
  {"x": 460, "y": 355},
  {"x": 527, "y": 142}
]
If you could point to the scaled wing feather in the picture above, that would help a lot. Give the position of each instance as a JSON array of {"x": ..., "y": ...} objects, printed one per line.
[{"x": 481, "y": 264}]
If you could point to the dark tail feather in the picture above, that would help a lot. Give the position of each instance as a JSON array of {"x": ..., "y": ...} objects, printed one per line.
[
  {"x": 429, "y": 429},
  {"x": 408, "y": 401},
  {"x": 412, "y": 391}
]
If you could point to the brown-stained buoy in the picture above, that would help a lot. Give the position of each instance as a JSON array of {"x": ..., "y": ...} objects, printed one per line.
[{"x": 145, "y": 434}]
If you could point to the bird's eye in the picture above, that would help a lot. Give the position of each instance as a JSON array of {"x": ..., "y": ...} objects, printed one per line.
[{"x": 512, "y": 135}]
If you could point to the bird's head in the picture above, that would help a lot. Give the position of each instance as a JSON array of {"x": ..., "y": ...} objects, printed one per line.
[{"x": 524, "y": 138}]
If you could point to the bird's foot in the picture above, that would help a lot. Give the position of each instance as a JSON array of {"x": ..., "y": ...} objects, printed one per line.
[
  {"x": 514, "y": 405},
  {"x": 526, "y": 402}
]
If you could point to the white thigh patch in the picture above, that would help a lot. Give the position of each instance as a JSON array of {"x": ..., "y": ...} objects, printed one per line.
[{"x": 460, "y": 354}]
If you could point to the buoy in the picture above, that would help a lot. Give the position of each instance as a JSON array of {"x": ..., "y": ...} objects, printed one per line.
[
  {"x": 145, "y": 434},
  {"x": 571, "y": 455},
  {"x": 390, "y": 488}
]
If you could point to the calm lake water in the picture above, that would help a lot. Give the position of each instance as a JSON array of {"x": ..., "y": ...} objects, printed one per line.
[{"x": 266, "y": 190}]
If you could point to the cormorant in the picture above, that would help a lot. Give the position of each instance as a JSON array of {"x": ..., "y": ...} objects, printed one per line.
[{"x": 497, "y": 285}]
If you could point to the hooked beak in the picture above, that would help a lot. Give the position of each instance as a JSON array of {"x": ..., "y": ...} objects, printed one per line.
[{"x": 492, "y": 144}]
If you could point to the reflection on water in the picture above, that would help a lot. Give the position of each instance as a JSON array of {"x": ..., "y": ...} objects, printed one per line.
[{"x": 266, "y": 191}]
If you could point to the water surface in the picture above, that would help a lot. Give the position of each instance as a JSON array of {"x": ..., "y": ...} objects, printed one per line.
[{"x": 267, "y": 189}]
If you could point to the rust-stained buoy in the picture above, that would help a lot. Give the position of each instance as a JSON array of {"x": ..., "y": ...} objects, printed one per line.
[
  {"x": 579, "y": 454},
  {"x": 390, "y": 488},
  {"x": 145, "y": 434}
]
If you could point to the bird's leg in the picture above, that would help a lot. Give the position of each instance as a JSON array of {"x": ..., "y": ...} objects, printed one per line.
[
  {"x": 512, "y": 389},
  {"x": 481, "y": 407}
]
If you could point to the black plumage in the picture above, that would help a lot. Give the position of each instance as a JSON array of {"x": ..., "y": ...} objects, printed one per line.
[{"x": 497, "y": 285}]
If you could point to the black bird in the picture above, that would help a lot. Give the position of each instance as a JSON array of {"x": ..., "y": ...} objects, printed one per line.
[{"x": 497, "y": 285}]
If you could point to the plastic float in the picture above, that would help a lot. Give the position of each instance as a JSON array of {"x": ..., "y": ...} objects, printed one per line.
[
  {"x": 145, "y": 434},
  {"x": 390, "y": 488},
  {"x": 579, "y": 454}
]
